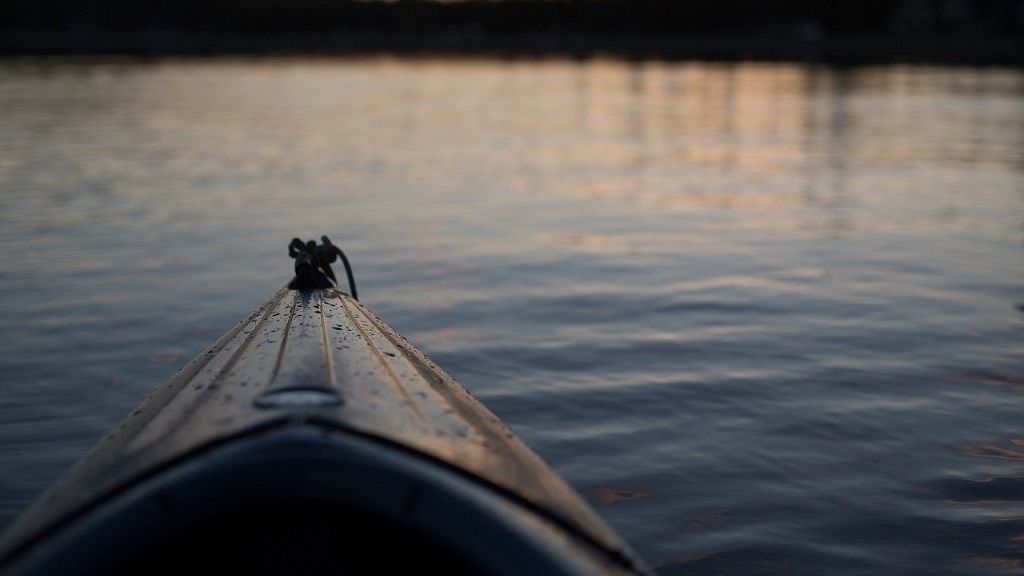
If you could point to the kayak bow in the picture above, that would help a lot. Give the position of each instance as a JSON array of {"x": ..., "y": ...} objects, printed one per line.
[{"x": 310, "y": 439}]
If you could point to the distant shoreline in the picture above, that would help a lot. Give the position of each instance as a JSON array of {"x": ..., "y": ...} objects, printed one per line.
[
  {"x": 852, "y": 50},
  {"x": 977, "y": 32}
]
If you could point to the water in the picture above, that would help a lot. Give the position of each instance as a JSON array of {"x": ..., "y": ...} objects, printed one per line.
[{"x": 767, "y": 318}]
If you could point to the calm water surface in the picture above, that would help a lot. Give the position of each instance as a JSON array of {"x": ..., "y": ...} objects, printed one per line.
[{"x": 767, "y": 318}]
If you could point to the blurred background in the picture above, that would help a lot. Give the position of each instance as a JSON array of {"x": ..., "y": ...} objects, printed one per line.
[{"x": 749, "y": 275}]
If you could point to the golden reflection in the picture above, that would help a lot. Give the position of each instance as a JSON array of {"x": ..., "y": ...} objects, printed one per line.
[
  {"x": 992, "y": 451},
  {"x": 997, "y": 563},
  {"x": 1015, "y": 381},
  {"x": 613, "y": 495},
  {"x": 790, "y": 148},
  {"x": 786, "y": 139},
  {"x": 440, "y": 339},
  {"x": 782, "y": 146},
  {"x": 713, "y": 519},
  {"x": 602, "y": 243}
]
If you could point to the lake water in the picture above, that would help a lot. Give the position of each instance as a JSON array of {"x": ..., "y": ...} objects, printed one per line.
[{"x": 767, "y": 318}]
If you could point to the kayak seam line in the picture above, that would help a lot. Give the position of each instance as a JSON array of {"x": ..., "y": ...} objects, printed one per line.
[
  {"x": 328, "y": 363},
  {"x": 200, "y": 398},
  {"x": 380, "y": 361},
  {"x": 284, "y": 342},
  {"x": 244, "y": 345}
]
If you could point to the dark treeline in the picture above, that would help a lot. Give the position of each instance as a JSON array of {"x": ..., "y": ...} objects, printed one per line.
[{"x": 898, "y": 29}]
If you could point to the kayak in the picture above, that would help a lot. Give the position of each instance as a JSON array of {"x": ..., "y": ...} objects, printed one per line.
[{"x": 312, "y": 439}]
